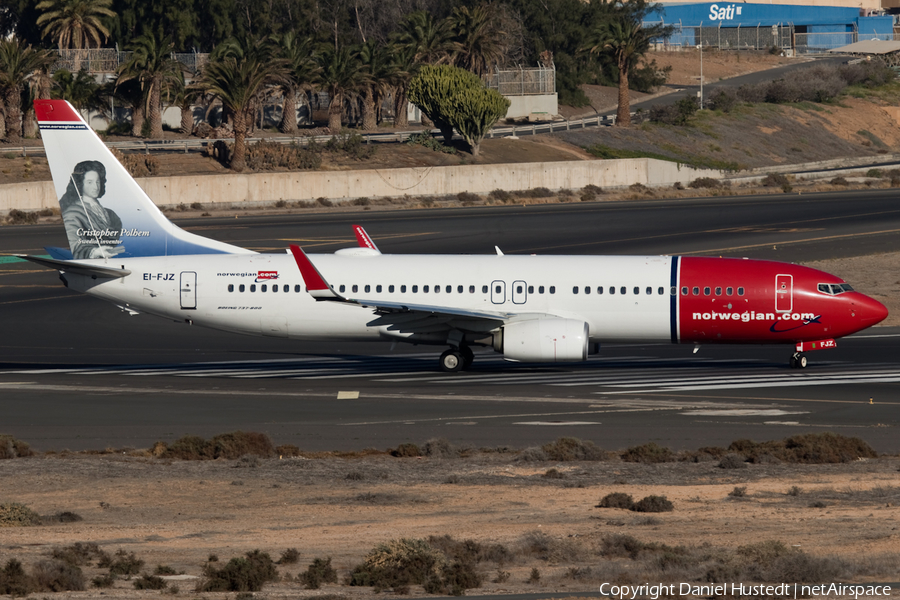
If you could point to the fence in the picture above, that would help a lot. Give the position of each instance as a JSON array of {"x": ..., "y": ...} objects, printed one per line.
[
  {"x": 523, "y": 82},
  {"x": 107, "y": 60}
]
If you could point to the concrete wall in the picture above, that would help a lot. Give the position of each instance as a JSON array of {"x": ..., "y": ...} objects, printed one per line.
[{"x": 225, "y": 190}]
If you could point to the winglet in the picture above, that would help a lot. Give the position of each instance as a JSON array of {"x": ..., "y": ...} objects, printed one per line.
[
  {"x": 316, "y": 285},
  {"x": 363, "y": 239}
]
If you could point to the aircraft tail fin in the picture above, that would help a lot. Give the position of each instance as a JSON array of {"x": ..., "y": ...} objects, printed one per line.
[{"x": 104, "y": 210}]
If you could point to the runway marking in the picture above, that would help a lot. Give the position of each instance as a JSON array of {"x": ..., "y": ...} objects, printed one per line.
[
  {"x": 38, "y": 299},
  {"x": 612, "y": 377}
]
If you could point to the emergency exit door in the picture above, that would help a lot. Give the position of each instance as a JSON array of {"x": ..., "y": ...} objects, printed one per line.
[
  {"x": 188, "y": 290},
  {"x": 784, "y": 293}
]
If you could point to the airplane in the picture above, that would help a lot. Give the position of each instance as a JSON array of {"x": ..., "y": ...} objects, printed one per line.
[{"x": 529, "y": 308}]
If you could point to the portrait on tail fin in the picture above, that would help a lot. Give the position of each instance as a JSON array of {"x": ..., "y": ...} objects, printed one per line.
[{"x": 93, "y": 230}]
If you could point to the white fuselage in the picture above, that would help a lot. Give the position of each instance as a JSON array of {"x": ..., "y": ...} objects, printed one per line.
[{"x": 207, "y": 290}]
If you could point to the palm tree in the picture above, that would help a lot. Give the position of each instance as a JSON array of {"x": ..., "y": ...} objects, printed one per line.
[
  {"x": 236, "y": 76},
  {"x": 381, "y": 72},
  {"x": 19, "y": 63},
  {"x": 430, "y": 40},
  {"x": 406, "y": 67},
  {"x": 480, "y": 43},
  {"x": 151, "y": 63},
  {"x": 623, "y": 37},
  {"x": 342, "y": 76},
  {"x": 75, "y": 24},
  {"x": 302, "y": 68}
]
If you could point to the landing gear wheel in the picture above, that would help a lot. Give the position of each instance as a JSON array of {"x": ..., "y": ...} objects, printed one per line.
[
  {"x": 468, "y": 356},
  {"x": 451, "y": 361},
  {"x": 798, "y": 361}
]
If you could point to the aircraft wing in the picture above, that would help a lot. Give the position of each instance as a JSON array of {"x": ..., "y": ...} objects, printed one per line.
[
  {"x": 77, "y": 268},
  {"x": 406, "y": 317}
]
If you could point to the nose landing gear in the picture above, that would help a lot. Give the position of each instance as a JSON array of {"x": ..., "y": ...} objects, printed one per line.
[{"x": 798, "y": 361}]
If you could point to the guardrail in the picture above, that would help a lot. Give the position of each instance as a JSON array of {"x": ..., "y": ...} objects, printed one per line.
[{"x": 198, "y": 145}]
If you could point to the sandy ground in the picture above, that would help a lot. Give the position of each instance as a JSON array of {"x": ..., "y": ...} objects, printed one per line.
[{"x": 177, "y": 513}]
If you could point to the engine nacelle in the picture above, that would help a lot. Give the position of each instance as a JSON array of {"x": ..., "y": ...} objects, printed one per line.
[{"x": 543, "y": 340}]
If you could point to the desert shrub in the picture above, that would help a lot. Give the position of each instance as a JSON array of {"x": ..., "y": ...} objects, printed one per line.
[
  {"x": 501, "y": 576},
  {"x": 13, "y": 579},
  {"x": 470, "y": 550},
  {"x": 803, "y": 568},
  {"x": 592, "y": 189},
  {"x": 648, "y": 453},
  {"x": 546, "y": 547},
  {"x": 752, "y": 93},
  {"x": 678, "y": 114},
  {"x": 738, "y": 492},
  {"x": 553, "y": 474},
  {"x": 534, "y": 576},
  {"x": 870, "y": 74},
  {"x": 810, "y": 448},
  {"x": 104, "y": 581},
  {"x": 164, "y": 570},
  {"x": 501, "y": 195},
  {"x": 724, "y": 99},
  {"x": 289, "y": 557},
  {"x": 703, "y": 454},
  {"x": 398, "y": 563},
  {"x": 732, "y": 461},
  {"x": 246, "y": 573},
  {"x": 538, "y": 192},
  {"x": 324, "y": 202},
  {"x": 876, "y": 173},
  {"x": 123, "y": 563},
  {"x": 570, "y": 448},
  {"x": 622, "y": 545},
  {"x": 355, "y": 476},
  {"x": 149, "y": 582},
  {"x": 616, "y": 500},
  {"x": 438, "y": 448},
  {"x": 19, "y": 217},
  {"x": 426, "y": 140},
  {"x": 268, "y": 156},
  {"x": 405, "y": 450},
  {"x": 468, "y": 197},
  {"x": 288, "y": 450},
  {"x": 57, "y": 576},
  {"x": 454, "y": 579},
  {"x": 352, "y": 144},
  {"x": 11, "y": 447},
  {"x": 318, "y": 572},
  {"x": 818, "y": 504},
  {"x": 775, "y": 180},
  {"x": 360, "y": 202},
  {"x": 227, "y": 445},
  {"x": 794, "y": 491},
  {"x": 705, "y": 182},
  {"x": 79, "y": 553},
  {"x": 839, "y": 181},
  {"x": 14, "y": 514},
  {"x": 65, "y": 516},
  {"x": 653, "y": 504},
  {"x": 140, "y": 165}
]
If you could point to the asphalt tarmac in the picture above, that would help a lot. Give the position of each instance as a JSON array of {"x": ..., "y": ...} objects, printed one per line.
[{"x": 77, "y": 373}]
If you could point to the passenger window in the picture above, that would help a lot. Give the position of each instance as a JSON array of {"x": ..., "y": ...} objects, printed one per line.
[
  {"x": 391, "y": 289},
  {"x": 402, "y": 289},
  {"x": 519, "y": 289},
  {"x": 252, "y": 287},
  {"x": 740, "y": 291},
  {"x": 263, "y": 288},
  {"x": 706, "y": 291},
  {"x": 459, "y": 289},
  {"x": 241, "y": 288},
  {"x": 729, "y": 291},
  {"x": 540, "y": 289},
  {"x": 587, "y": 290},
  {"x": 530, "y": 289},
  {"x": 296, "y": 288},
  {"x": 718, "y": 291},
  {"x": 623, "y": 290},
  {"x": 415, "y": 289},
  {"x": 355, "y": 288},
  {"x": 367, "y": 288},
  {"x": 498, "y": 289},
  {"x": 342, "y": 288},
  {"x": 378, "y": 289},
  {"x": 661, "y": 291},
  {"x": 471, "y": 289},
  {"x": 650, "y": 291},
  {"x": 575, "y": 290},
  {"x": 424, "y": 289},
  {"x": 612, "y": 289},
  {"x": 484, "y": 289},
  {"x": 637, "y": 291},
  {"x": 274, "y": 288},
  {"x": 599, "y": 289},
  {"x": 450, "y": 289},
  {"x": 230, "y": 287},
  {"x": 684, "y": 291},
  {"x": 695, "y": 291},
  {"x": 552, "y": 289},
  {"x": 673, "y": 291}
]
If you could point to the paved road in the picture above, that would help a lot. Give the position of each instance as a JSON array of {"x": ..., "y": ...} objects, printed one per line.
[{"x": 75, "y": 372}]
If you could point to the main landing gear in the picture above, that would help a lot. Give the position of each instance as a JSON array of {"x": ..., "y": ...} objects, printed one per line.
[
  {"x": 457, "y": 359},
  {"x": 798, "y": 361}
]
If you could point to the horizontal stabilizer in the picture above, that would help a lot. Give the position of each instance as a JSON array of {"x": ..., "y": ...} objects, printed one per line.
[{"x": 77, "y": 268}]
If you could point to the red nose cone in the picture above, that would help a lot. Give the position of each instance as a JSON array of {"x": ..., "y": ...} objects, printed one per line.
[{"x": 870, "y": 311}]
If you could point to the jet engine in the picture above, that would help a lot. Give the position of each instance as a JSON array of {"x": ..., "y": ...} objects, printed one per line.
[{"x": 543, "y": 340}]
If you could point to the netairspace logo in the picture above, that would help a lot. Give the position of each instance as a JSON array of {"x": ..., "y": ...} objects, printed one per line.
[{"x": 782, "y": 590}]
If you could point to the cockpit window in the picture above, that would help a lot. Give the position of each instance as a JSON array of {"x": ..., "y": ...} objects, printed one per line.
[{"x": 833, "y": 289}]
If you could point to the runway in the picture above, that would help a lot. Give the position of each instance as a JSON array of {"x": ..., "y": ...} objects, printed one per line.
[{"x": 77, "y": 373}]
